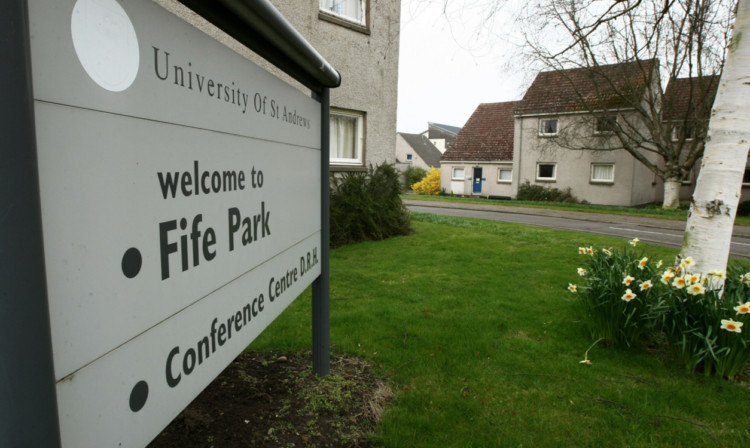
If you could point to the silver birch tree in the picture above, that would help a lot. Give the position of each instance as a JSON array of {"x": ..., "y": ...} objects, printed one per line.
[{"x": 708, "y": 232}]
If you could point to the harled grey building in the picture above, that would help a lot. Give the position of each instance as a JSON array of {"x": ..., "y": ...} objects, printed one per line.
[{"x": 360, "y": 39}]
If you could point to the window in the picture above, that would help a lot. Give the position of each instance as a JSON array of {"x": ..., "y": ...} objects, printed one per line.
[
  {"x": 603, "y": 173},
  {"x": 548, "y": 126},
  {"x": 409, "y": 158},
  {"x": 458, "y": 173},
  {"x": 346, "y": 138},
  {"x": 687, "y": 178},
  {"x": 504, "y": 175},
  {"x": 682, "y": 130},
  {"x": 605, "y": 124},
  {"x": 352, "y": 10},
  {"x": 546, "y": 171},
  {"x": 746, "y": 178}
]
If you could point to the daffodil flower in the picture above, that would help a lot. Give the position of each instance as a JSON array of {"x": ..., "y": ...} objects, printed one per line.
[
  {"x": 572, "y": 288},
  {"x": 696, "y": 289},
  {"x": 581, "y": 272},
  {"x": 607, "y": 252},
  {"x": 688, "y": 262},
  {"x": 745, "y": 278},
  {"x": 642, "y": 263},
  {"x": 693, "y": 278},
  {"x": 634, "y": 242},
  {"x": 731, "y": 325},
  {"x": 627, "y": 280},
  {"x": 629, "y": 295},
  {"x": 743, "y": 308},
  {"x": 590, "y": 250},
  {"x": 667, "y": 276},
  {"x": 582, "y": 250},
  {"x": 658, "y": 265},
  {"x": 679, "y": 282},
  {"x": 721, "y": 275},
  {"x": 586, "y": 359},
  {"x": 645, "y": 285}
]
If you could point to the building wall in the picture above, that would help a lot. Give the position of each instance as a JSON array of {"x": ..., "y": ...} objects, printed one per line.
[
  {"x": 633, "y": 183},
  {"x": 366, "y": 58}
]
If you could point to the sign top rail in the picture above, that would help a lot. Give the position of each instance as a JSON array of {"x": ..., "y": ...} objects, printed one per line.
[{"x": 258, "y": 25}]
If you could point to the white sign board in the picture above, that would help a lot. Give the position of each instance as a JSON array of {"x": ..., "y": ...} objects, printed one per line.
[{"x": 180, "y": 208}]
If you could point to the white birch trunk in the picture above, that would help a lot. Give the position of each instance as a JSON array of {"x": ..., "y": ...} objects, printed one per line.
[
  {"x": 708, "y": 232},
  {"x": 671, "y": 193}
]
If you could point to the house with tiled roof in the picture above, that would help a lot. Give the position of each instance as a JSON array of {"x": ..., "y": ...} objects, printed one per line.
[
  {"x": 441, "y": 135},
  {"x": 417, "y": 150},
  {"x": 480, "y": 159},
  {"x": 564, "y": 133},
  {"x": 686, "y": 110},
  {"x": 567, "y": 133}
]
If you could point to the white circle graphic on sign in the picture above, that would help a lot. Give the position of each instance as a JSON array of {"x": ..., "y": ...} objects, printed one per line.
[{"x": 105, "y": 42}]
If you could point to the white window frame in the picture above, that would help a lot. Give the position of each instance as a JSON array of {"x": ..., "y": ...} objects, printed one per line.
[
  {"x": 687, "y": 179},
  {"x": 546, "y": 179},
  {"x": 500, "y": 169},
  {"x": 594, "y": 180},
  {"x": 542, "y": 121},
  {"x": 409, "y": 158},
  {"x": 597, "y": 119},
  {"x": 677, "y": 127},
  {"x": 329, "y": 7},
  {"x": 456, "y": 177},
  {"x": 359, "y": 139}
]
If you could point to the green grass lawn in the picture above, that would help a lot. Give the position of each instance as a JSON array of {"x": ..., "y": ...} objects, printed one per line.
[
  {"x": 650, "y": 211},
  {"x": 471, "y": 323}
]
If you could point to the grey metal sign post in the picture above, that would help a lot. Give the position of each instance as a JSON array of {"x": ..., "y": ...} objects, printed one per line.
[
  {"x": 28, "y": 406},
  {"x": 145, "y": 236}
]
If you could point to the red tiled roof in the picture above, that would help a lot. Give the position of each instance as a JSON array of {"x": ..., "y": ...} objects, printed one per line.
[
  {"x": 488, "y": 135},
  {"x": 581, "y": 89},
  {"x": 694, "y": 96}
]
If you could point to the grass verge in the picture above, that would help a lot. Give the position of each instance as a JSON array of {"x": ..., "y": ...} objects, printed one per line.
[
  {"x": 650, "y": 211},
  {"x": 471, "y": 324}
]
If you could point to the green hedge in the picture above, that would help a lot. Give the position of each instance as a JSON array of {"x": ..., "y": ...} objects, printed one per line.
[{"x": 528, "y": 192}]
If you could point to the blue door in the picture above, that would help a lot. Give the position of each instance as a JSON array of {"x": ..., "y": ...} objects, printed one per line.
[{"x": 477, "y": 181}]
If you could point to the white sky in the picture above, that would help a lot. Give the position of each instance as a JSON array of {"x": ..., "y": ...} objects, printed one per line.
[{"x": 445, "y": 69}]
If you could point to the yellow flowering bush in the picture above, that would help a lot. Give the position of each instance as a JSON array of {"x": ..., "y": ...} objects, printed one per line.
[
  {"x": 625, "y": 295},
  {"x": 430, "y": 184}
]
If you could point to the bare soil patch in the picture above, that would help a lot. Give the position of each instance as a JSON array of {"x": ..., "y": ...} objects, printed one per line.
[{"x": 270, "y": 399}]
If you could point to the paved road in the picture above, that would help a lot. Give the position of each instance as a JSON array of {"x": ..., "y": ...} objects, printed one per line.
[{"x": 653, "y": 230}]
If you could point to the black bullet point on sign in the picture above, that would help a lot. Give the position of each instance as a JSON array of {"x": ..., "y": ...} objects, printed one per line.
[
  {"x": 138, "y": 396},
  {"x": 131, "y": 262}
]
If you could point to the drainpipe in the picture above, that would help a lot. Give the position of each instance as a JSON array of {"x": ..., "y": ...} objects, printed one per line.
[{"x": 514, "y": 188}]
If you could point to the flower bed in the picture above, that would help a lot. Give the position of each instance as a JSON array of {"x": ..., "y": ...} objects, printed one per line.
[{"x": 625, "y": 295}]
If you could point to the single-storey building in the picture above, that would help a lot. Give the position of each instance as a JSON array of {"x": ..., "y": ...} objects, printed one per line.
[{"x": 480, "y": 159}]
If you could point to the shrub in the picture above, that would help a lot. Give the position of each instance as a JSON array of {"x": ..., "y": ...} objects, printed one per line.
[
  {"x": 624, "y": 295},
  {"x": 367, "y": 206},
  {"x": 430, "y": 184},
  {"x": 414, "y": 174},
  {"x": 528, "y": 192}
]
